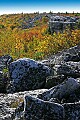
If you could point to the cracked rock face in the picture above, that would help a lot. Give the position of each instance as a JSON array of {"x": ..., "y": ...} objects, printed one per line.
[
  {"x": 27, "y": 74},
  {"x": 71, "y": 69},
  {"x": 72, "y": 111},
  {"x": 11, "y": 105},
  {"x": 60, "y": 91},
  {"x": 49, "y": 104},
  {"x": 37, "y": 109}
]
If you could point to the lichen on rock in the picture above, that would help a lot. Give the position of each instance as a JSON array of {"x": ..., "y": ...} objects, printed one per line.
[{"x": 27, "y": 74}]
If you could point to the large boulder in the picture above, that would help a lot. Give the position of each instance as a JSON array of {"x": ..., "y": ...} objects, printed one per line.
[
  {"x": 37, "y": 109},
  {"x": 27, "y": 74},
  {"x": 62, "y": 90}
]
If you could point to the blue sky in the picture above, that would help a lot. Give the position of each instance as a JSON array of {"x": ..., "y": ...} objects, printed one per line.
[{"x": 29, "y": 6}]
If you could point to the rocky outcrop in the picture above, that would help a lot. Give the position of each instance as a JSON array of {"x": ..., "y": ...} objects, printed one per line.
[
  {"x": 61, "y": 101},
  {"x": 71, "y": 54},
  {"x": 61, "y": 23},
  {"x": 27, "y": 74},
  {"x": 62, "y": 90},
  {"x": 27, "y": 106},
  {"x": 37, "y": 109},
  {"x": 55, "y": 103},
  {"x": 12, "y": 106},
  {"x": 70, "y": 69},
  {"x": 66, "y": 62}
]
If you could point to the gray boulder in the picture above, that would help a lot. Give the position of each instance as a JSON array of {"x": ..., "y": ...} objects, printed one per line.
[
  {"x": 62, "y": 90},
  {"x": 71, "y": 54},
  {"x": 66, "y": 62},
  {"x": 12, "y": 105},
  {"x": 27, "y": 74},
  {"x": 71, "y": 69},
  {"x": 37, "y": 109}
]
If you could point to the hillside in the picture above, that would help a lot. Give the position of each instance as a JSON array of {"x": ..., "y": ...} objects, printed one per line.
[
  {"x": 27, "y": 35},
  {"x": 39, "y": 70}
]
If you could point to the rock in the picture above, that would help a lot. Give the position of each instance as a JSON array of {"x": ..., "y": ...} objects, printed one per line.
[
  {"x": 55, "y": 100},
  {"x": 61, "y": 102},
  {"x": 72, "y": 111},
  {"x": 61, "y": 23},
  {"x": 37, "y": 109},
  {"x": 62, "y": 90},
  {"x": 70, "y": 69},
  {"x": 64, "y": 56},
  {"x": 12, "y": 105},
  {"x": 3, "y": 82},
  {"x": 52, "y": 81},
  {"x": 66, "y": 62},
  {"x": 70, "y": 57},
  {"x": 72, "y": 98},
  {"x": 27, "y": 74},
  {"x": 5, "y": 61}
]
